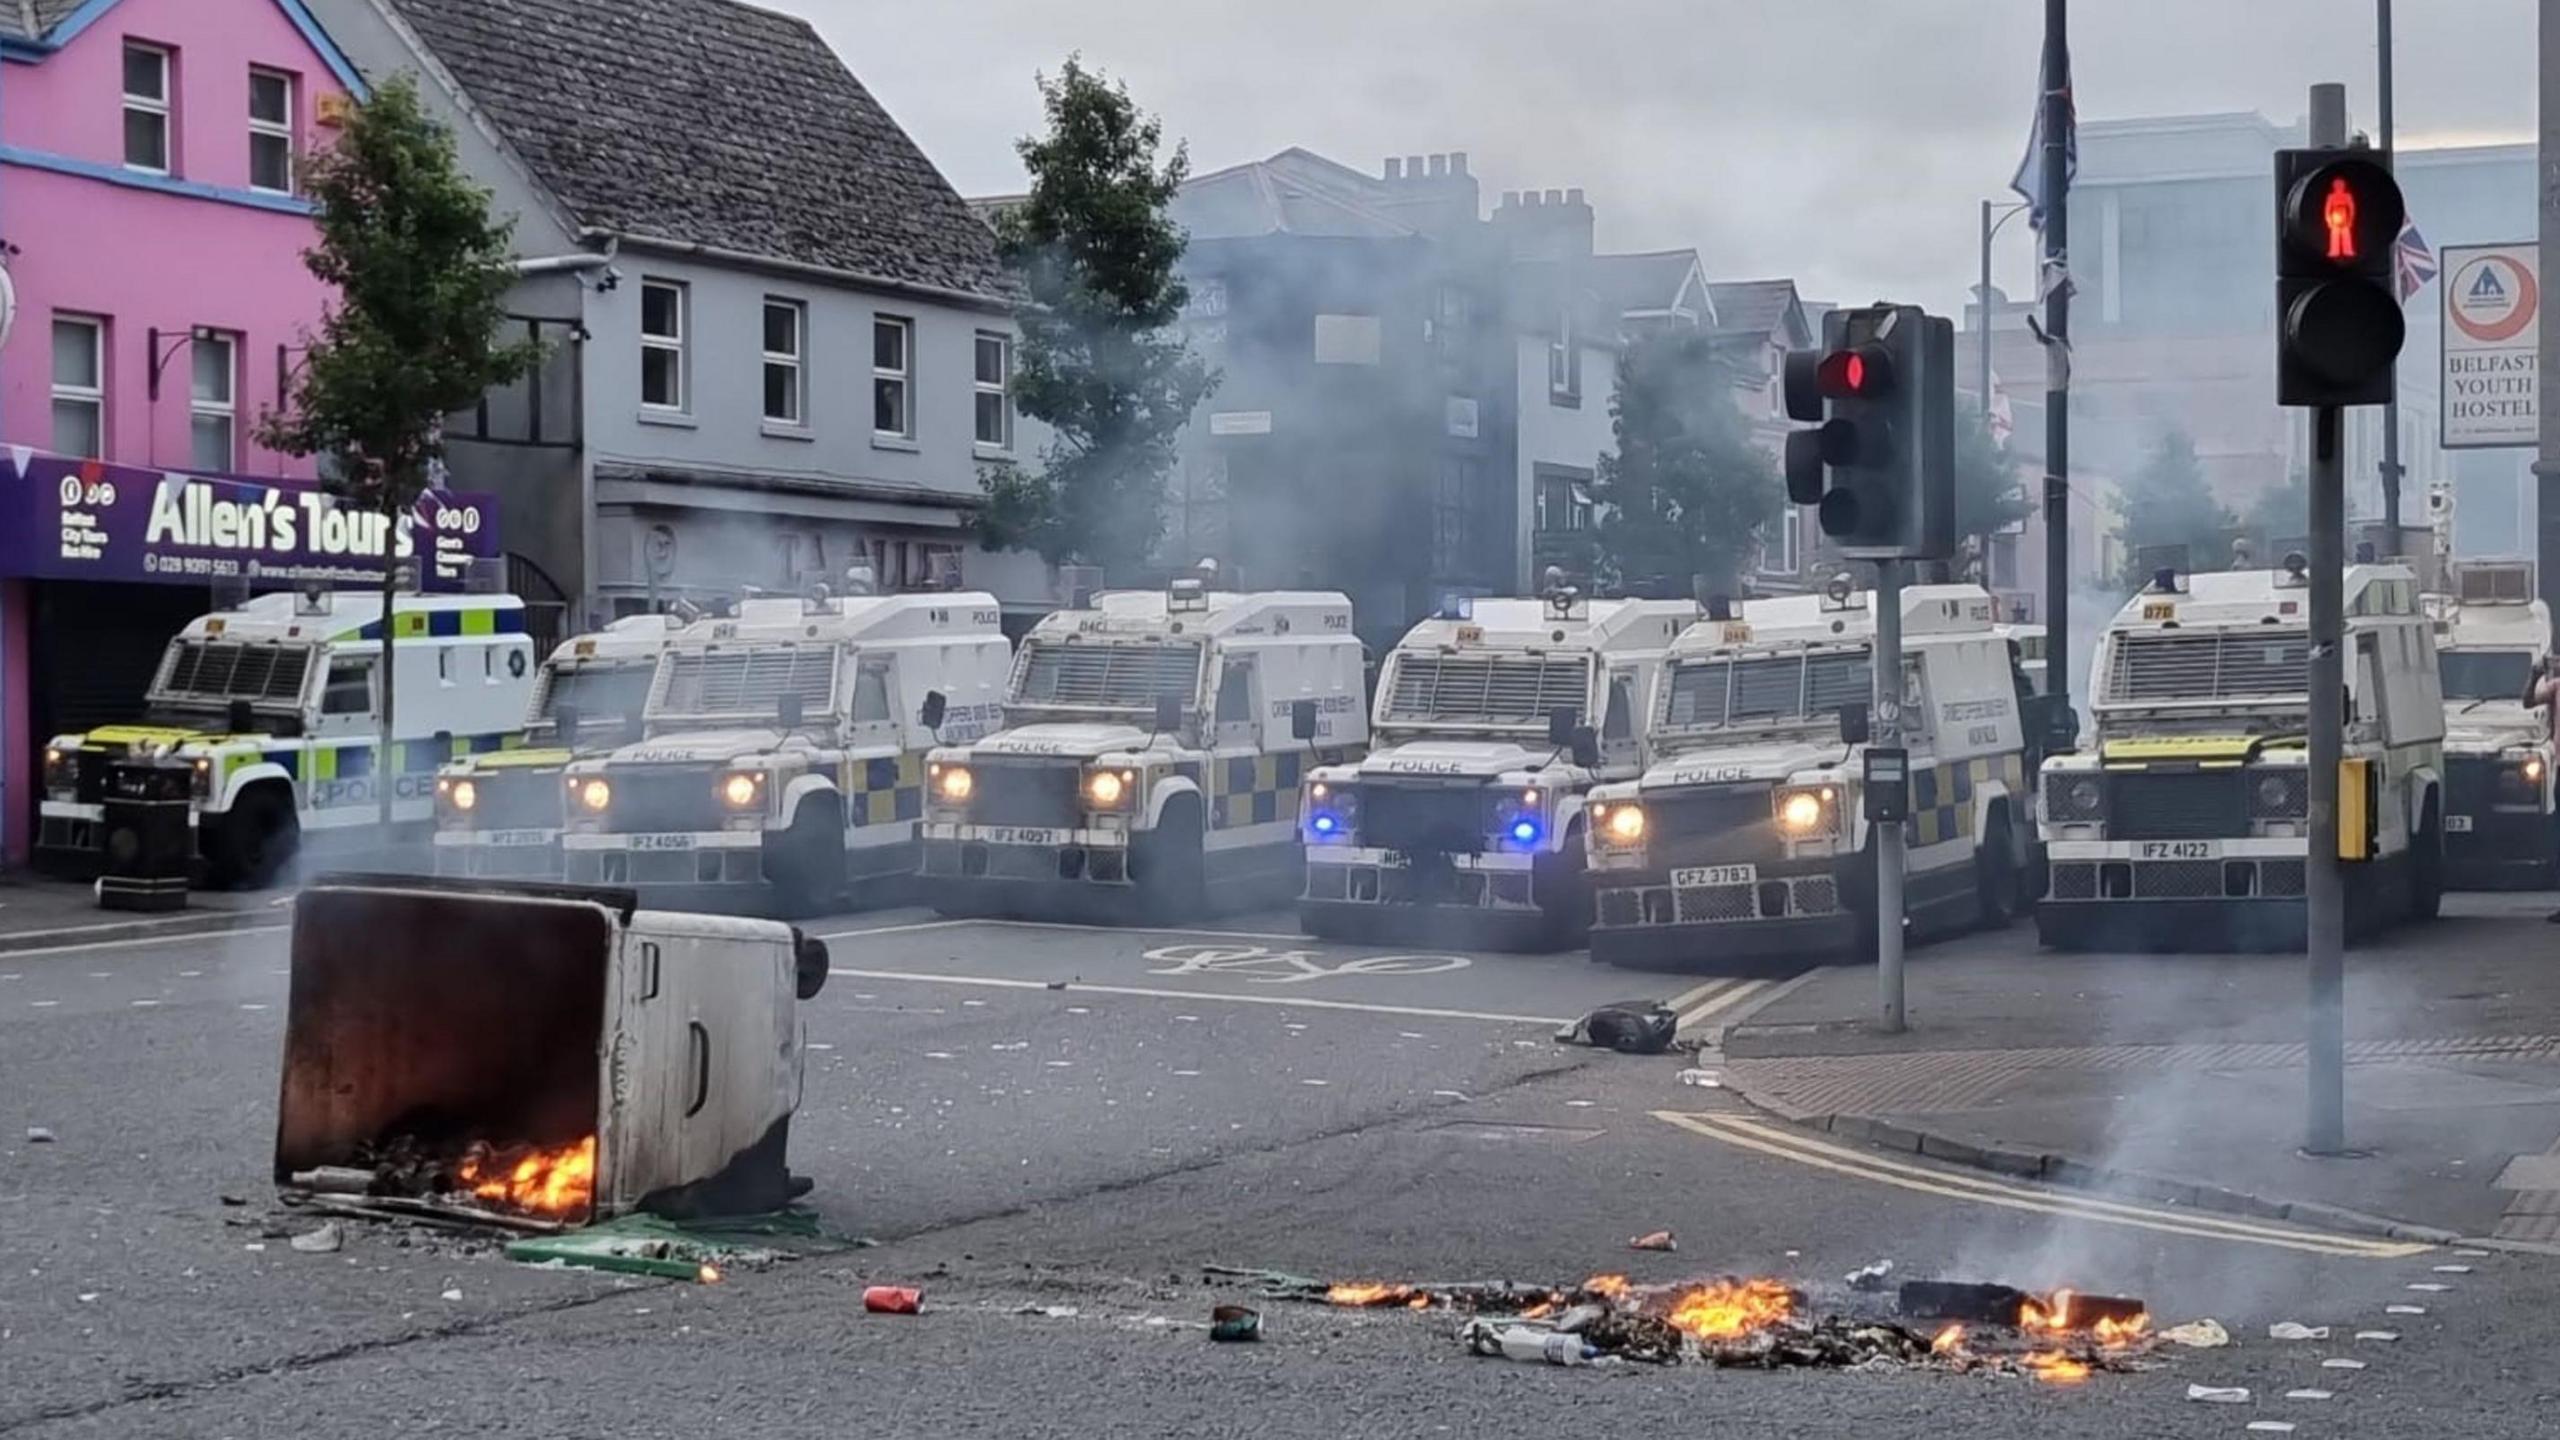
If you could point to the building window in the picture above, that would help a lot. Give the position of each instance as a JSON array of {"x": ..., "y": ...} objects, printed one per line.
[
  {"x": 1782, "y": 558},
  {"x": 271, "y": 131},
  {"x": 80, "y": 387},
  {"x": 146, "y": 108},
  {"x": 1452, "y": 527},
  {"x": 994, "y": 391},
  {"x": 785, "y": 324},
  {"x": 213, "y": 412},
  {"x": 662, "y": 306},
  {"x": 1564, "y": 505},
  {"x": 1564, "y": 362},
  {"x": 893, "y": 377}
]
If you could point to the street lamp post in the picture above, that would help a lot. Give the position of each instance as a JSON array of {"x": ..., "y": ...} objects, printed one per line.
[{"x": 1982, "y": 335}]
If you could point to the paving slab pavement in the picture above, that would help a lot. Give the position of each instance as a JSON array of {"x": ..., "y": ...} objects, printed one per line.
[{"x": 2183, "y": 1076}]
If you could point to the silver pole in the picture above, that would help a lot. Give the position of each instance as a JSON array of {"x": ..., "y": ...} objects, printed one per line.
[
  {"x": 2546, "y": 468},
  {"x": 2324, "y": 888},
  {"x": 1887, "y": 653},
  {"x": 2391, "y": 408},
  {"x": 1982, "y": 316}
]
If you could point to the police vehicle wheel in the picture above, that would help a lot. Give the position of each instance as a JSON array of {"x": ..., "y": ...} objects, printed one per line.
[
  {"x": 247, "y": 848},
  {"x": 2426, "y": 866},
  {"x": 1172, "y": 868},
  {"x": 806, "y": 863},
  {"x": 1995, "y": 872}
]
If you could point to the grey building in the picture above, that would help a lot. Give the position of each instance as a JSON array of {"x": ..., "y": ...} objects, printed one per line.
[{"x": 782, "y": 344}]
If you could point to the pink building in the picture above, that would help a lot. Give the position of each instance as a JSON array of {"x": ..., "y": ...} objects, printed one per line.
[{"x": 153, "y": 237}]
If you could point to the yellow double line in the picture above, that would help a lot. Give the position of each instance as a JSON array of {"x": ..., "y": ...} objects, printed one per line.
[
  {"x": 1786, "y": 1143},
  {"x": 1701, "y": 1004}
]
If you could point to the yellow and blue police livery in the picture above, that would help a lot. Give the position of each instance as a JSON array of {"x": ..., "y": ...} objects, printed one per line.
[
  {"x": 275, "y": 709},
  {"x": 1746, "y": 836}
]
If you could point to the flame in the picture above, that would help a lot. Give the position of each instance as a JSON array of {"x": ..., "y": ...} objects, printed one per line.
[
  {"x": 1539, "y": 1311},
  {"x": 2050, "y": 1315},
  {"x": 1418, "y": 1302},
  {"x": 708, "y": 1275},
  {"x": 2055, "y": 1368},
  {"x": 1609, "y": 1287},
  {"x": 1362, "y": 1294},
  {"x": 545, "y": 1182},
  {"x": 1950, "y": 1341},
  {"x": 2053, "y": 1317},
  {"x": 1729, "y": 1308},
  {"x": 2118, "y": 1333}
]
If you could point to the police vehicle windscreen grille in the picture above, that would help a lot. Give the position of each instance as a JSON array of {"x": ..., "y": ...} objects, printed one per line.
[
  {"x": 1106, "y": 677},
  {"x": 2484, "y": 674},
  {"x": 1491, "y": 689},
  {"x": 2263, "y": 664},
  {"x": 749, "y": 682},
  {"x": 222, "y": 671},
  {"x": 1766, "y": 688},
  {"x": 601, "y": 693}
]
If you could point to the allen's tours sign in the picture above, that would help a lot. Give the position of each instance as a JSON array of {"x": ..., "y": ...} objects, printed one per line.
[{"x": 66, "y": 519}]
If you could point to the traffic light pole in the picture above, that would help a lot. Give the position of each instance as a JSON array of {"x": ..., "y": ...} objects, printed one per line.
[
  {"x": 2324, "y": 884},
  {"x": 2057, "y": 384},
  {"x": 1887, "y": 707}
]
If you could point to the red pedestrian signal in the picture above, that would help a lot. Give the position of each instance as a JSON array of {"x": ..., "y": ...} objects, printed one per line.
[
  {"x": 2338, "y": 212},
  {"x": 1861, "y": 371},
  {"x": 2339, "y": 325}
]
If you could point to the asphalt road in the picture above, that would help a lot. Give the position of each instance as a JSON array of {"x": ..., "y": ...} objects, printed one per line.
[{"x": 1240, "y": 1098}]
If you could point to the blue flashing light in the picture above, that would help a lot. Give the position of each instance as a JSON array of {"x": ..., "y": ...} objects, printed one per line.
[
  {"x": 1525, "y": 831},
  {"x": 1324, "y": 824}
]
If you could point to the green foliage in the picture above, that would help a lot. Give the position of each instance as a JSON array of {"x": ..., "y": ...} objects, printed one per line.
[
  {"x": 1990, "y": 495},
  {"x": 2167, "y": 502},
  {"x": 1685, "y": 493},
  {"x": 1096, "y": 257},
  {"x": 422, "y": 273},
  {"x": 2281, "y": 513}
]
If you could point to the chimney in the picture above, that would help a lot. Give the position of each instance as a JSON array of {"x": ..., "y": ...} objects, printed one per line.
[
  {"x": 1395, "y": 168},
  {"x": 1573, "y": 196},
  {"x": 1457, "y": 162},
  {"x": 1555, "y": 197},
  {"x": 1545, "y": 225},
  {"x": 1510, "y": 199},
  {"x": 1413, "y": 166},
  {"x": 1439, "y": 167},
  {"x": 1531, "y": 197}
]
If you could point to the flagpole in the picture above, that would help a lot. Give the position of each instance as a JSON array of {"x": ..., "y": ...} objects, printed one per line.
[{"x": 2390, "y": 407}]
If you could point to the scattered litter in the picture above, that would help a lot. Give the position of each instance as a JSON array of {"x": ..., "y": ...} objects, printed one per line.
[
  {"x": 1409, "y": 1035},
  {"x": 1580, "y": 1104},
  {"x": 1315, "y": 1082},
  {"x": 2429, "y": 1287},
  {"x": 1187, "y": 1074},
  {"x": 1053, "y": 1312},
  {"x": 1011, "y": 1045},
  {"x": 2272, "y": 1427},
  {"x": 1522, "y": 1342},
  {"x": 1703, "y": 1079},
  {"x": 2199, "y": 1335},
  {"x": 86, "y": 1296},
  {"x": 1234, "y": 1324},
  {"x": 2341, "y": 1363},
  {"x": 1795, "y": 1254},
  {"x": 1057, "y": 984},
  {"x": 455, "y": 1294},
  {"x": 38, "y": 1135},
  {"x": 1086, "y": 1010},
  {"x": 234, "y": 1200},
  {"x": 2219, "y": 1394},
  {"x": 892, "y": 1299},
  {"x": 1059, "y": 1064},
  {"x": 2310, "y": 1395},
  {"x": 2473, "y": 1254},
  {"x": 1630, "y": 1027},
  {"x": 324, "y": 1241},
  {"x": 820, "y": 1045},
  {"x": 254, "y": 1245},
  {"x": 1869, "y": 1278},
  {"x": 2404, "y": 1309},
  {"x": 939, "y": 1055},
  {"x": 1654, "y": 1240},
  {"x": 1188, "y": 1019},
  {"x": 2453, "y": 1269},
  {"x": 2289, "y": 1330},
  {"x": 2385, "y": 1336},
  {"x": 1448, "y": 1094}
]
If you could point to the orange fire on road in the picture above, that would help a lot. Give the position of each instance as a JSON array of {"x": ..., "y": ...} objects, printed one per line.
[
  {"x": 1950, "y": 1341},
  {"x": 2055, "y": 1368},
  {"x": 2052, "y": 1316},
  {"x": 1732, "y": 1308},
  {"x": 1362, "y": 1294},
  {"x": 1609, "y": 1287},
  {"x": 543, "y": 1182}
]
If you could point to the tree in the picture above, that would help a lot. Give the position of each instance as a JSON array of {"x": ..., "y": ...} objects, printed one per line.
[
  {"x": 1685, "y": 493},
  {"x": 1095, "y": 256},
  {"x": 1989, "y": 495},
  {"x": 2281, "y": 513},
  {"x": 422, "y": 273},
  {"x": 2167, "y": 502}
]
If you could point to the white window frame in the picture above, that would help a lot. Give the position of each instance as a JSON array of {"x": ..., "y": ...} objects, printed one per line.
[
  {"x": 226, "y": 409},
  {"x": 272, "y": 129},
  {"x": 158, "y": 105},
  {"x": 904, "y": 378},
  {"x": 674, "y": 344},
  {"x": 1564, "y": 378},
  {"x": 93, "y": 394},
  {"x": 793, "y": 360},
  {"x": 1001, "y": 388}
]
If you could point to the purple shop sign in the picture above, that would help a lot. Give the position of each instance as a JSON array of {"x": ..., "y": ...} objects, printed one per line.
[{"x": 86, "y": 520}]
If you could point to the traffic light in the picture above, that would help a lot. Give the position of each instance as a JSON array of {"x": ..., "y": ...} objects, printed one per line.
[
  {"x": 2338, "y": 320},
  {"x": 1879, "y": 463}
]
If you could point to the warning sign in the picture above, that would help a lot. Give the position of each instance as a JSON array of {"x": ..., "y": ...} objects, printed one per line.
[{"x": 2492, "y": 345}]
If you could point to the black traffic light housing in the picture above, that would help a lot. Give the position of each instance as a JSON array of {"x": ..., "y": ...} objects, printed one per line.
[
  {"x": 1879, "y": 464},
  {"x": 2338, "y": 322}
]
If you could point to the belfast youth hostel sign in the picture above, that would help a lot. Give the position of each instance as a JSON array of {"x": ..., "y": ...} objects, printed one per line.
[
  {"x": 63, "y": 519},
  {"x": 2492, "y": 298}
]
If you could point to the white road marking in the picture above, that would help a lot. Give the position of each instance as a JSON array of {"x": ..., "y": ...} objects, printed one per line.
[
  {"x": 920, "y": 926},
  {"x": 205, "y": 935},
  {"x": 1804, "y": 1150},
  {"x": 1144, "y": 992},
  {"x": 1740, "y": 992}
]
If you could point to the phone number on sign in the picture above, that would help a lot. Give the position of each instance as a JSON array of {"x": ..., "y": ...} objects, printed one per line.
[{"x": 189, "y": 565}]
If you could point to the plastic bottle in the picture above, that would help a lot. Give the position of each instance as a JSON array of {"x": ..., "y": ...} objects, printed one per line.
[{"x": 1521, "y": 1343}]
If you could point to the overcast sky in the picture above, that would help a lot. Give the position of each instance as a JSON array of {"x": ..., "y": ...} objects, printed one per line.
[{"x": 1843, "y": 142}]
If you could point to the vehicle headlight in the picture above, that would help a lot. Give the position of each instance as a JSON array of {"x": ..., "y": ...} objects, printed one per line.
[
  {"x": 741, "y": 789},
  {"x": 465, "y": 795},
  {"x": 203, "y": 778},
  {"x": 2074, "y": 797},
  {"x": 2531, "y": 769},
  {"x": 1105, "y": 789},
  {"x": 57, "y": 768},
  {"x": 1620, "y": 824},
  {"x": 1332, "y": 811},
  {"x": 594, "y": 794},
  {"x": 1802, "y": 813},
  {"x": 953, "y": 783},
  {"x": 2281, "y": 795}
]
